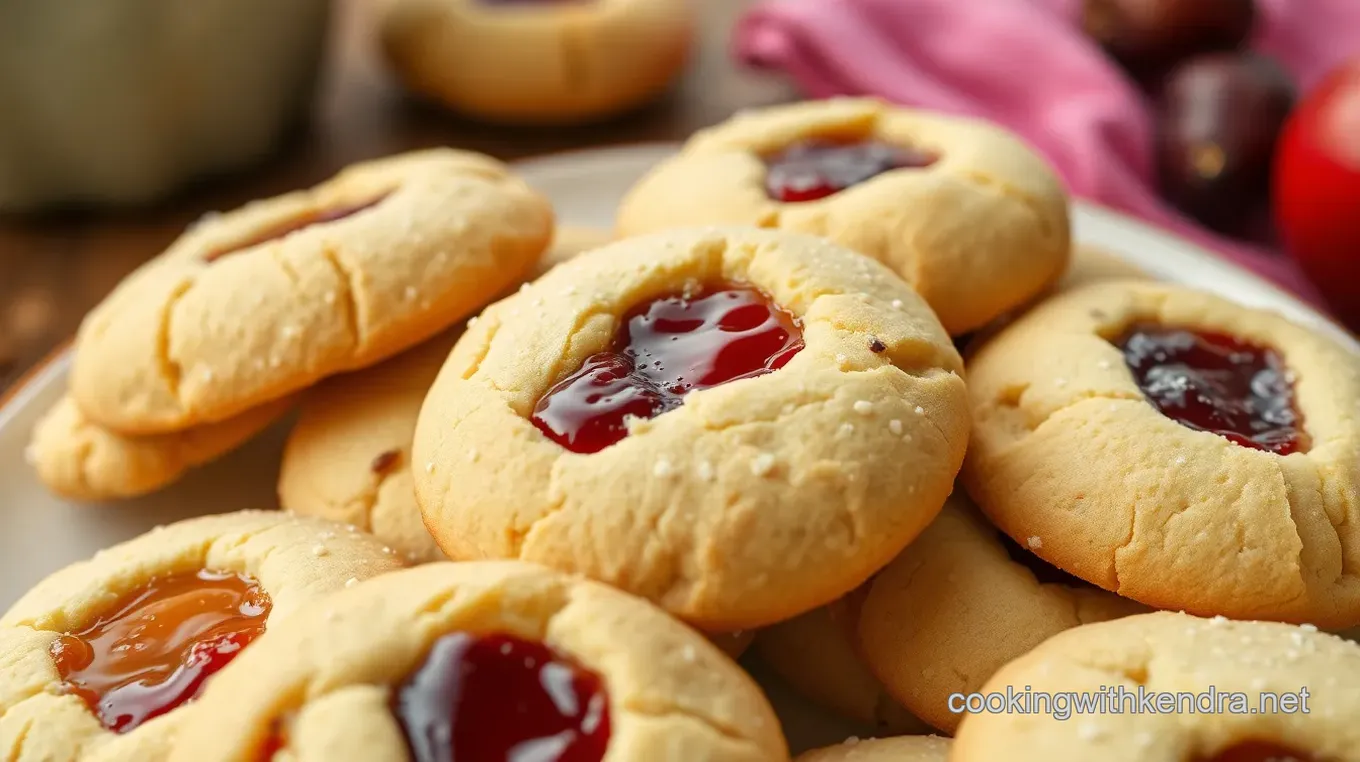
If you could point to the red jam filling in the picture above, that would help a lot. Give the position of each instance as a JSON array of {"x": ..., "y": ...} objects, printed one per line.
[
  {"x": 815, "y": 169},
  {"x": 1217, "y": 383},
  {"x": 1044, "y": 572},
  {"x": 1259, "y": 751},
  {"x": 664, "y": 350},
  {"x": 315, "y": 217},
  {"x": 501, "y": 699},
  {"x": 157, "y": 647}
]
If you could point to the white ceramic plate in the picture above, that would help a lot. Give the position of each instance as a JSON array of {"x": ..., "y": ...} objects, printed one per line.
[{"x": 40, "y": 533}]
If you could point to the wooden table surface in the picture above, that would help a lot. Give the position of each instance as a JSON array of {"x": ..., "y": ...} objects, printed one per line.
[{"x": 54, "y": 269}]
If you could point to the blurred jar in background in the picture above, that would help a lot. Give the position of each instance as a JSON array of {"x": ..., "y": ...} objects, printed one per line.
[{"x": 119, "y": 102}]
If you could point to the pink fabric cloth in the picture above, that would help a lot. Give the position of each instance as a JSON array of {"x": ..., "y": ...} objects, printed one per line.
[{"x": 1025, "y": 64}]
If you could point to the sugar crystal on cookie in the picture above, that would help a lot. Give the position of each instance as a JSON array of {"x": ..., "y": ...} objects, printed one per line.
[{"x": 1044, "y": 572}]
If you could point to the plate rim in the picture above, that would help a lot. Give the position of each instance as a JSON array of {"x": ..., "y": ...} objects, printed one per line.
[{"x": 32, "y": 380}]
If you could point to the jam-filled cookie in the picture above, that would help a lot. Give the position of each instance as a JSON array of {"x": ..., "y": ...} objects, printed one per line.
[
  {"x": 349, "y": 456},
  {"x": 737, "y": 424},
  {"x": 250, "y": 305},
  {"x": 1184, "y": 451},
  {"x": 537, "y": 61},
  {"x": 79, "y": 459},
  {"x": 814, "y": 654},
  {"x": 100, "y": 660},
  {"x": 962, "y": 210},
  {"x": 1167, "y": 687},
  {"x": 908, "y": 749},
  {"x": 960, "y": 602},
  {"x": 494, "y": 660}
]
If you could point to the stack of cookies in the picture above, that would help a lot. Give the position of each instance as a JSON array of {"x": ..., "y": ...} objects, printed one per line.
[{"x": 840, "y": 391}]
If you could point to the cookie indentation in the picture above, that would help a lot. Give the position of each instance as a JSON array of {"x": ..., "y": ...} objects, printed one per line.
[
  {"x": 310, "y": 219},
  {"x": 1217, "y": 383},
  {"x": 499, "y": 697},
  {"x": 157, "y": 647},
  {"x": 664, "y": 350},
  {"x": 1259, "y": 751},
  {"x": 815, "y": 169}
]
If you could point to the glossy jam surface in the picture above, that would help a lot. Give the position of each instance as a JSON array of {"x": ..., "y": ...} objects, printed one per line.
[
  {"x": 1217, "y": 383},
  {"x": 815, "y": 169},
  {"x": 501, "y": 699},
  {"x": 316, "y": 217},
  {"x": 1259, "y": 751},
  {"x": 664, "y": 350},
  {"x": 1043, "y": 571},
  {"x": 157, "y": 647}
]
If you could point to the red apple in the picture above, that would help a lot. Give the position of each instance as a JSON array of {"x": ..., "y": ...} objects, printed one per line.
[{"x": 1317, "y": 189}]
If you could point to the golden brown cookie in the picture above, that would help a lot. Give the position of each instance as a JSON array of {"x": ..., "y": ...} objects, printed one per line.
[
  {"x": 537, "y": 62},
  {"x": 962, "y": 210},
  {"x": 1262, "y": 692},
  {"x": 813, "y": 653},
  {"x": 355, "y": 676},
  {"x": 909, "y": 749},
  {"x": 188, "y": 597},
  {"x": 960, "y": 602},
  {"x": 251, "y": 305},
  {"x": 1076, "y": 451},
  {"x": 348, "y": 459},
  {"x": 79, "y": 459},
  {"x": 753, "y": 500}
]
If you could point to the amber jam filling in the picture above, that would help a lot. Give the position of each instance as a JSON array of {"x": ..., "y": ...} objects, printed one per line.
[
  {"x": 301, "y": 222},
  {"x": 664, "y": 350},
  {"x": 1259, "y": 751},
  {"x": 1217, "y": 383},
  {"x": 817, "y": 168},
  {"x": 1043, "y": 571},
  {"x": 158, "y": 646},
  {"x": 498, "y": 698}
]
